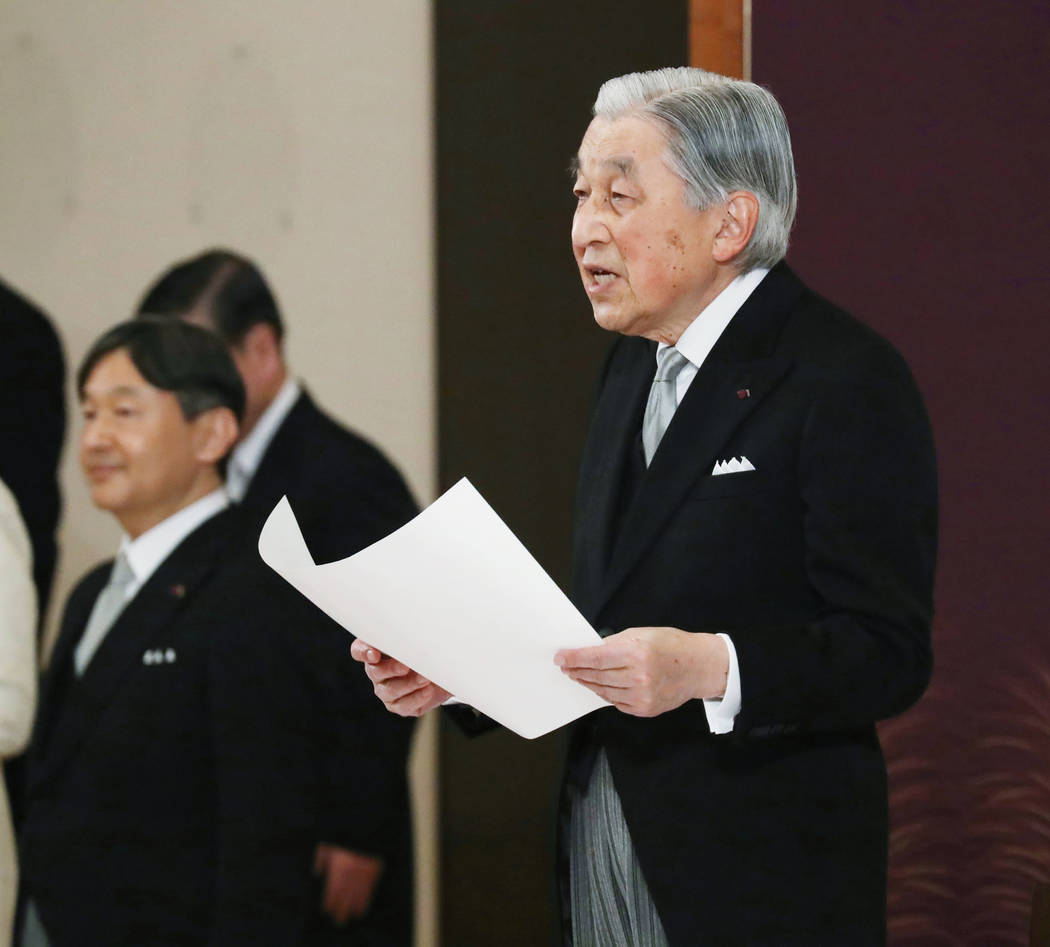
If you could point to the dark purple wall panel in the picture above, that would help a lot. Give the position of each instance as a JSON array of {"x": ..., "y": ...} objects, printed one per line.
[{"x": 922, "y": 140}]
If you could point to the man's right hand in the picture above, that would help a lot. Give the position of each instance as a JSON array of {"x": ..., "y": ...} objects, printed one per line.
[{"x": 402, "y": 690}]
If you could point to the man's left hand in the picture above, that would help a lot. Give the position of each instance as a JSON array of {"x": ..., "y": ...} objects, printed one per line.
[
  {"x": 349, "y": 881},
  {"x": 648, "y": 671}
]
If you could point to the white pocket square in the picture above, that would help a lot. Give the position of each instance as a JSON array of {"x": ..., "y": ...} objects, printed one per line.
[{"x": 733, "y": 465}]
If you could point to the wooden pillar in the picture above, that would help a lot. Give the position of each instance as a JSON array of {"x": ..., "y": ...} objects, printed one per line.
[{"x": 720, "y": 36}]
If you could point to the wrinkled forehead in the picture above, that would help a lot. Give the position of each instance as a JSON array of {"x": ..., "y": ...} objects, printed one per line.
[{"x": 624, "y": 146}]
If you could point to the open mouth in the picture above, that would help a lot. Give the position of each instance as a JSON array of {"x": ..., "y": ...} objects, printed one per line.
[{"x": 600, "y": 276}]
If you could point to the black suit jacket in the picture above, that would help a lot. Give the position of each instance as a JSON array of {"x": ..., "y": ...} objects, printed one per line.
[
  {"x": 32, "y": 425},
  {"x": 818, "y": 563},
  {"x": 172, "y": 789},
  {"x": 346, "y": 495}
]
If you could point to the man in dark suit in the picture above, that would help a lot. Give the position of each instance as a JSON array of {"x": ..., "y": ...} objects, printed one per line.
[
  {"x": 171, "y": 773},
  {"x": 346, "y": 495},
  {"x": 755, "y": 535}
]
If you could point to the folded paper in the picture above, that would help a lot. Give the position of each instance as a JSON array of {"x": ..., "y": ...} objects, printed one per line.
[{"x": 454, "y": 595}]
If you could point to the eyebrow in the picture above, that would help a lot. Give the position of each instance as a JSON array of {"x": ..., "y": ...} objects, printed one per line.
[
  {"x": 121, "y": 391},
  {"x": 622, "y": 163}
]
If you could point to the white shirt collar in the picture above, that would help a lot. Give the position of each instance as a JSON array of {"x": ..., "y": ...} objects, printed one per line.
[
  {"x": 248, "y": 454},
  {"x": 146, "y": 552},
  {"x": 706, "y": 329}
]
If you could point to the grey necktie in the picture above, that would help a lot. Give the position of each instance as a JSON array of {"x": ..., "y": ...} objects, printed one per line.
[
  {"x": 109, "y": 604},
  {"x": 33, "y": 933},
  {"x": 236, "y": 480},
  {"x": 663, "y": 399}
]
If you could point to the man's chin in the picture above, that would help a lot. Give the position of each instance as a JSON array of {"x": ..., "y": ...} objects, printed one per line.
[
  {"x": 104, "y": 499},
  {"x": 607, "y": 317},
  {"x": 614, "y": 319}
]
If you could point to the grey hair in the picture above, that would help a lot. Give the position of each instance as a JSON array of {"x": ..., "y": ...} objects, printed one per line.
[{"x": 722, "y": 135}]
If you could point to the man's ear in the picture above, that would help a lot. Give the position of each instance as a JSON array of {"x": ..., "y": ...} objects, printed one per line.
[
  {"x": 739, "y": 219},
  {"x": 259, "y": 349},
  {"x": 215, "y": 432}
]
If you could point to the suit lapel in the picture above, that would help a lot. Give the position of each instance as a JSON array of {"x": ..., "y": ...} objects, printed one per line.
[
  {"x": 741, "y": 370},
  {"x": 705, "y": 420},
  {"x": 613, "y": 434},
  {"x": 56, "y": 680},
  {"x": 148, "y": 615},
  {"x": 271, "y": 478}
]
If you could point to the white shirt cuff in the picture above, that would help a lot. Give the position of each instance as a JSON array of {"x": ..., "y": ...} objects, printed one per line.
[{"x": 721, "y": 711}]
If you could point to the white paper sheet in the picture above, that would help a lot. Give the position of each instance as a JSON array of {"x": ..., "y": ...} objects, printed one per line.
[{"x": 454, "y": 595}]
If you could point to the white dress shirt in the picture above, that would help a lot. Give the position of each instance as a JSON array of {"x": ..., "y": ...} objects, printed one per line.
[
  {"x": 248, "y": 454},
  {"x": 696, "y": 344},
  {"x": 142, "y": 556},
  {"x": 145, "y": 553}
]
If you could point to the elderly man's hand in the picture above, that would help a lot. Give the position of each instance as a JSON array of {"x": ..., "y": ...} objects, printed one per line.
[
  {"x": 349, "y": 881},
  {"x": 648, "y": 671},
  {"x": 402, "y": 690}
]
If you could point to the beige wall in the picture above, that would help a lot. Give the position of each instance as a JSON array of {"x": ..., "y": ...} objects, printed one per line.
[{"x": 135, "y": 133}]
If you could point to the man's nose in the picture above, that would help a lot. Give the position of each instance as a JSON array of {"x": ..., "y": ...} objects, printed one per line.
[
  {"x": 587, "y": 226},
  {"x": 96, "y": 433}
]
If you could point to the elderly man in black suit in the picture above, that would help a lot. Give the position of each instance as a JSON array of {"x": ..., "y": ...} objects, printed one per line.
[
  {"x": 346, "y": 495},
  {"x": 171, "y": 780},
  {"x": 755, "y": 535}
]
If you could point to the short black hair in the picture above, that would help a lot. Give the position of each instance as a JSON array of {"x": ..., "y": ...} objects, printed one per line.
[
  {"x": 229, "y": 288},
  {"x": 187, "y": 360}
]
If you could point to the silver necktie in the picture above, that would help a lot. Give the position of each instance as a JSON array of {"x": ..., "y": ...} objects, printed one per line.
[
  {"x": 236, "y": 480},
  {"x": 663, "y": 399},
  {"x": 109, "y": 604}
]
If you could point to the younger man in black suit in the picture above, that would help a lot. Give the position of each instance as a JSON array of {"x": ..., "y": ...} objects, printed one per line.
[
  {"x": 171, "y": 770},
  {"x": 346, "y": 495}
]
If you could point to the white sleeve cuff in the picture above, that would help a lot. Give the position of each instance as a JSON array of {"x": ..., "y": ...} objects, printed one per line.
[{"x": 722, "y": 711}]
